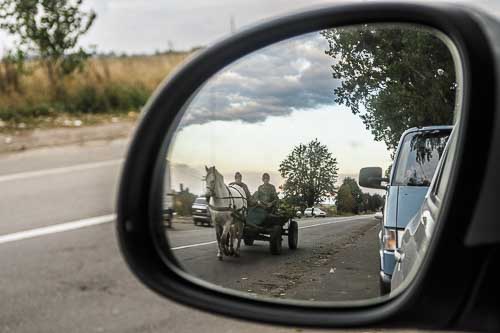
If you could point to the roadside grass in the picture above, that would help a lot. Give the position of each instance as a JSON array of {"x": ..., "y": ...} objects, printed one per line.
[{"x": 107, "y": 87}]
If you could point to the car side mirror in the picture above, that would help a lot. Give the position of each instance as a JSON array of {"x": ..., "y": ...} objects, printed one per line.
[
  {"x": 371, "y": 177},
  {"x": 197, "y": 92}
]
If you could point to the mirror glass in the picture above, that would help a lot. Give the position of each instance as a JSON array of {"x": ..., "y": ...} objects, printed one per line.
[{"x": 262, "y": 187}]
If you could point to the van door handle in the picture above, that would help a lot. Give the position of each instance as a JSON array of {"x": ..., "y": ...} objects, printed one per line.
[
  {"x": 399, "y": 255},
  {"x": 424, "y": 221}
]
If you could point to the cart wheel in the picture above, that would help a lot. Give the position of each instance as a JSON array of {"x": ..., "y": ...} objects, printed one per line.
[
  {"x": 293, "y": 235},
  {"x": 248, "y": 241},
  {"x": 275, "y": 241}
]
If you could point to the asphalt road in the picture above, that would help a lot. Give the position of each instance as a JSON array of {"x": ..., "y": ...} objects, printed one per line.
[
  {"x": 337, "y": 260},
  {"x": 62, "y": 271}
]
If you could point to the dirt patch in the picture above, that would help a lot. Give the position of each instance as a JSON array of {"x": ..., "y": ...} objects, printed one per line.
[{"x": 340, "y": 270}]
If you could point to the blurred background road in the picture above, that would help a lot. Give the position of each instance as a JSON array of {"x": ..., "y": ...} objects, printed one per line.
[{"x": 76, "y": 280}]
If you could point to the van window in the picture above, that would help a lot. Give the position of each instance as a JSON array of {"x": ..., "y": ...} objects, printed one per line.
[
  {"x": 200, "y": 201},
  {"x": 418, "y": 157}
]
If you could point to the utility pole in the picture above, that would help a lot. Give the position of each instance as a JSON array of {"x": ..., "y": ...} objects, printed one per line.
[{"x": 232, "y": 25}]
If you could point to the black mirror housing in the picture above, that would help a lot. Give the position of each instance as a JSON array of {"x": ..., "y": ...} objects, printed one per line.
[
  {"x": 425, "y": 303},
  {"x": 371, "y": 177}
]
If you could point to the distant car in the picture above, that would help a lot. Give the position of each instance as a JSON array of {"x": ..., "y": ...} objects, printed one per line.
[
  {"x": 314, "y": 212},
  {"x": 200, "y": 212},
  {"x": 298, "y": 214},
  {"x": 379, "y": 215}
]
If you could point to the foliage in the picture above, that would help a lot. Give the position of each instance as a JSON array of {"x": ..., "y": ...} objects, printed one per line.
[
  {"x": 310, "y": 173},
  {"x": 349, "y": 197},
  {"x": 50, "y": 30},
  {"x": 12, "y": 67},
  {"x": 287, "y": 209},
  {"x": 345, "y": 200},
  {"x": 114, "y": 85},
  {"x": 393, "y": 77},
  {"x": 183, "y": 202},
  {"x": 387, "y": 173},
  {"x": 375, "y": 202}
]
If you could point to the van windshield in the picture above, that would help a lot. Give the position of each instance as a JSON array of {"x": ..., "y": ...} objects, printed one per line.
[
  {"x": 419, "y": 156},
  {"x": 200, "y": 200}
]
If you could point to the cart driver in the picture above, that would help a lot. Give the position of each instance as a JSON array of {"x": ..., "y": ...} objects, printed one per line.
[
  {"x": 266, "y": 195},
  {"x": 238, "y": 181}
]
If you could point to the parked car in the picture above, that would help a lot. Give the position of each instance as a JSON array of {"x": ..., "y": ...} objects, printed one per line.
[
  {"x": 200, "y": 212},
  {"x": 415, "y": 162},
  {"x": 314, "y": 212}
]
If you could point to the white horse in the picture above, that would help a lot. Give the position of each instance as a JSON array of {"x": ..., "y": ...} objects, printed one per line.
[{"x": 228, "y": 206}]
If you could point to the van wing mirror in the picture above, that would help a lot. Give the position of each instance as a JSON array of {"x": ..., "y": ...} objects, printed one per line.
[{"x": 371, "y": 177}]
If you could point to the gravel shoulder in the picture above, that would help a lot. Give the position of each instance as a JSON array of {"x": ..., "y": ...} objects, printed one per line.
[{"x": 40, "y": 138}]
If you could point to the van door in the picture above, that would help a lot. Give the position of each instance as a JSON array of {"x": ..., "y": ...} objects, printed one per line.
[{"x": 410, "y": 199}]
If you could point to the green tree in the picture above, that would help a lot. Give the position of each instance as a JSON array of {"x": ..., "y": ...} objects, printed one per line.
[
  {"x": 345, "y": 201},
  {"x": 387, "y": 173},
  {"x": 310, "y": 173},
  {"x": 393, "y": 77},
  {"x": 356, "y": 192},
  {"x": 367, "y": 201},
  {"x": 50, "y": 30},
  {"x": 350, "y": 197},
  {"x": 184, "y": 201},
  {"x": 377, "y": 202}
]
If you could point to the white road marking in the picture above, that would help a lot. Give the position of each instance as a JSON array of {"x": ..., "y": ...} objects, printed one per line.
[
  {"x": 53, "y": 229},
  {"x": 334, "y": 221},
  {"x": 192, "y": 245},
  {"x": 54, "y": 171},
  {"x": 303, "y": 227}
]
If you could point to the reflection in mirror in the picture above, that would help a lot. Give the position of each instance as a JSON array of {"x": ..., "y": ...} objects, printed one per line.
[{"x": 262, "y": 191}]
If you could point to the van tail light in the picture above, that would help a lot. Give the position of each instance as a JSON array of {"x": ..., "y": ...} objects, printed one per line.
[{"x": 390, "y": 239}]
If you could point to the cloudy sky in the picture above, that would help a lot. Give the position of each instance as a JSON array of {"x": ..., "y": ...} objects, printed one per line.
[
  {"x": 138, "y": 26},
  {"x": 250, "y": 115}
]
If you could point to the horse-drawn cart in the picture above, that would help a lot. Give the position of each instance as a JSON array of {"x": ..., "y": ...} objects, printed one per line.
[{"x": 264, "y": 226}]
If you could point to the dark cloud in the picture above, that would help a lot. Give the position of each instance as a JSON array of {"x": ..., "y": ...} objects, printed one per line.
[{"x": 275, "y": 81}]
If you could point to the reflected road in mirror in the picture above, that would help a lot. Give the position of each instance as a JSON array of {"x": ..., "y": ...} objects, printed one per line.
[
  {"x": 295, "y": 171},
  {"x": 337, "y": 260}
]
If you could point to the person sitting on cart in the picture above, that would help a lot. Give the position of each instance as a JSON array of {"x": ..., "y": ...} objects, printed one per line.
[
  {"x": 264, "y": 202},
  {"x": 266, "y": 195},
  {"x": 238, "y": 181}
]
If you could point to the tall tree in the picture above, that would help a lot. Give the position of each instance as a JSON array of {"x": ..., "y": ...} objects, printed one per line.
[
  {"x": 356, "y": 193},
  {"x": 310, "y": 173},
  {"x": 49, "y": 29},
  {"x": 393, "y": 77},
  {"x": 345, "y": 200},
  {"x": 376, "y": 202}
]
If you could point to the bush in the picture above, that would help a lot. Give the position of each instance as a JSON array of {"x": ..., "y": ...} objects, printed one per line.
[
  {"x": 16, "y": 115},
  {"x": 110, "y": 98},
  {"x": 104, "y": 85}
]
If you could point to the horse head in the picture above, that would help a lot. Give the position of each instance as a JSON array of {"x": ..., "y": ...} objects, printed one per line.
[{"x": 210, "y": 181}]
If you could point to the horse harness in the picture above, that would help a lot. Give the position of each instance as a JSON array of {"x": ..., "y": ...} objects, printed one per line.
[{"x": 239, "y": 213}]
